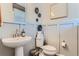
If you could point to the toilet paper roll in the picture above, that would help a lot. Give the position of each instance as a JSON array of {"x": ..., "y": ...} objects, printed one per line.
[{"x": 63, "y": 44}]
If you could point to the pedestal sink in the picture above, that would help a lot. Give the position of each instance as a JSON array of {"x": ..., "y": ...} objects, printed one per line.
[{"x": 16, "y": 43}]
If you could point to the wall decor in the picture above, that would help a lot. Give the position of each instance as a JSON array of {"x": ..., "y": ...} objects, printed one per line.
[
  {"x": 39, "y": 15},
  {"x": 37, "y": 20},
  {"x": 58, "y": 10},
  {"x": 19, "y": 13},
  {"x": 17, "y": 6},
  {"x": 36, "y": 10}
]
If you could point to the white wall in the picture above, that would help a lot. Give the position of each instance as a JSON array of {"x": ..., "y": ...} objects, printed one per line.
[{"x": 7, "y": 12}]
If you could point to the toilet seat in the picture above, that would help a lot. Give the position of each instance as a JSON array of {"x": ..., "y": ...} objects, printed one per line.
[{"x": 49, "y": 50}]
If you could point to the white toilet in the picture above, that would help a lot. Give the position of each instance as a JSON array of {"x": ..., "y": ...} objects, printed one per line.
[{"x": 48, "y": 50}]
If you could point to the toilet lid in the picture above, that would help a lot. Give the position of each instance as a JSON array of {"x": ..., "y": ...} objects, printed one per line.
[{"x": 49, "y": 48}]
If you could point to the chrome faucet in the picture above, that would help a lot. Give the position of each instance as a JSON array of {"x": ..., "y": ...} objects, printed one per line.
[{"x": 17, "y": 34}]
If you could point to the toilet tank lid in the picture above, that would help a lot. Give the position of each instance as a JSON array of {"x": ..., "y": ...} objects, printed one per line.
[{"x": 48, "y": 48}]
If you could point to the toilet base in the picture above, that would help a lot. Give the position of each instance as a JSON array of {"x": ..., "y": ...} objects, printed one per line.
[{"x": 42, "y": 54}]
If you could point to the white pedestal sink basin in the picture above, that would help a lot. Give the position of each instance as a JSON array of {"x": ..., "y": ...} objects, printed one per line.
[{"x": 16, "y": 43}]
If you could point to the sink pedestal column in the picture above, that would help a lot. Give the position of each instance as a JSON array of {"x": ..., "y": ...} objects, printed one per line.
[{"x": 19, "y": 51}]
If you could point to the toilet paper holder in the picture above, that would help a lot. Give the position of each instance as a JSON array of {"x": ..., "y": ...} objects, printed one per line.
[{"x": 64, "y": 44}]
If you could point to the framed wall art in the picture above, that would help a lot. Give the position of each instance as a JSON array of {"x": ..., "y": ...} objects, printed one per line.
[{"x": 58, "y": 10}]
